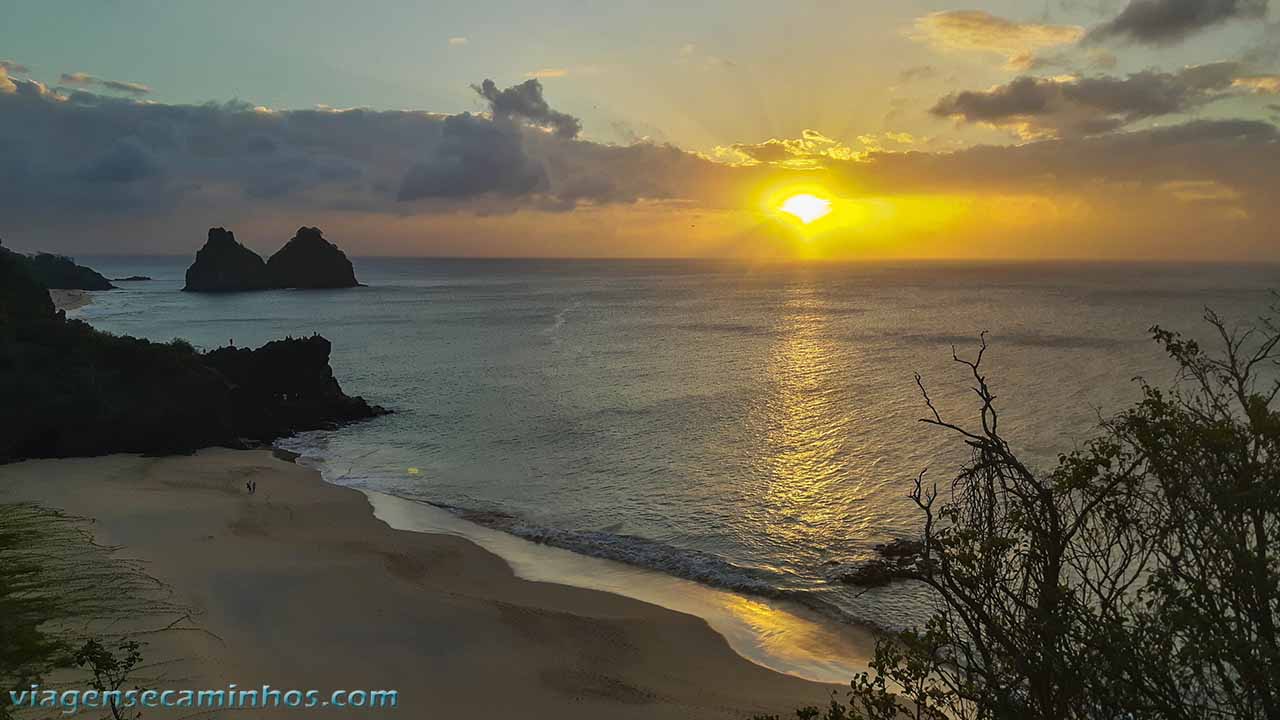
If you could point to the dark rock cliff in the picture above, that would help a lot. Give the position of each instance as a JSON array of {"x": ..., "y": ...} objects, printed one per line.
[
  {"x": 310, "y": 261},
  {"x": 58, "y": 272},
  {"x": 24, "y": 301},
  {"x": 224, "y": 265},
  {"x": 70, "y": 390},
  {"x": 285, "y": 384},
  {"x": 307, "y": 261}
]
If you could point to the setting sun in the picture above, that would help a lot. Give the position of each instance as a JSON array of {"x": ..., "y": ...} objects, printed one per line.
[{"x": 806, "y": 207}]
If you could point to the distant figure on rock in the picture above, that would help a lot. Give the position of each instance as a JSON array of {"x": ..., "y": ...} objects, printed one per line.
[
  {"x": 310, "y": 261},
  {"x": 224, "y": 265}
]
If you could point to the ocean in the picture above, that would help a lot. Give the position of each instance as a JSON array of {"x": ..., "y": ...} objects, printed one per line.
[{"x": 750, "y": 428}]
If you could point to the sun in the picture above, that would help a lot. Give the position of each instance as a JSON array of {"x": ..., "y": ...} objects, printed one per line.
[{"x": 806, "y": 207}]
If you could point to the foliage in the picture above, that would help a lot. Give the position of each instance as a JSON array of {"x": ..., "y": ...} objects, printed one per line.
[
  {"x": 110, "y": 670},
  {"x": 56, "y": 587},
  {"x": 1139, "y": 578},
  {"x": 56, "y": 271},
  {"x": 59, "y": 271}
]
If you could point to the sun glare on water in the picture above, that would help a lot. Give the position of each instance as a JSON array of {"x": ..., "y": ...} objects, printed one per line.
[{"x": 805, "y": 207}]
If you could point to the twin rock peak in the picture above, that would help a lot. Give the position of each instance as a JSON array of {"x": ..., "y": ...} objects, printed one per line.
[{"x": 307, "y": 261}]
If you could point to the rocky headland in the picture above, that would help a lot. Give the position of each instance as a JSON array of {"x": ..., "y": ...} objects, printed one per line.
[
  {"x": 59, "y": 272},
  {"x": 71, "y": 390}
]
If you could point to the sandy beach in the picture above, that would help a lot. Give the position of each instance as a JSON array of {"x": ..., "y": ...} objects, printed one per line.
[
  {"x": 300, "y": 586},
  {"x": 70, "y": 299}
]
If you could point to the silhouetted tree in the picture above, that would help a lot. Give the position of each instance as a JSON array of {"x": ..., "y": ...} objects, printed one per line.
[
  {"x": 1140, "y": 578},
  {"x": 111, "y": 669}
]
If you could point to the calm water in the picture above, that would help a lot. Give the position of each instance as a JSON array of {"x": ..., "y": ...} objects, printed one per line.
[{"x": 750, "y": 428}]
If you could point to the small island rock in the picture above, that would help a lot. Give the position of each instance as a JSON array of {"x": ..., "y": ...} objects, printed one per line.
[
  {"x": 310, "y": 261},
  {"x": 224, "y": 265}
]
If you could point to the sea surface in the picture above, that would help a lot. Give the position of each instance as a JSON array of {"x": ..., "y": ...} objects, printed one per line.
[{"x": 751, "y": 428}]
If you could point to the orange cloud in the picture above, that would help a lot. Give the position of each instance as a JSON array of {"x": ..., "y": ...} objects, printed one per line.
[
  {"x": 1260, "y": 84},
  {"x": 975, "y": 30}
]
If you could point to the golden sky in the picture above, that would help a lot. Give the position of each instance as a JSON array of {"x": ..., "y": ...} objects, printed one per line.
[{"x": 1107, "y": 130}]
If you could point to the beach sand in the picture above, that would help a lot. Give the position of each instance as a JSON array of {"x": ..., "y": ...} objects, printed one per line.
[
  {"x": 70, "y": 299},
  {"x": 299, "y": 586}
]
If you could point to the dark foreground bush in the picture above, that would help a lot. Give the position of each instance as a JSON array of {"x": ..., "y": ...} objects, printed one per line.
[{"x": 1140, "y": 578}]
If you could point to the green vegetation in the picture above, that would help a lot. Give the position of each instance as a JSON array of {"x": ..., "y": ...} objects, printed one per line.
[
  {"x": 110, "y": 669},
  {"x": 1140, "y": 578},
  {"x": 60, "y": 271},
  {"x": 59, "y": 590}
]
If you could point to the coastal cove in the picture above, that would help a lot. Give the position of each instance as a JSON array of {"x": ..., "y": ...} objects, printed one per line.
[
  {"x": 115, "y": 491},
  {"x": 753, "y": 429},
  {"x": 729, "y": 360},
  {"x": 791, "y": 640},
  {"x": 431, "y": 615},
  {"x": 745, "y": 610}
]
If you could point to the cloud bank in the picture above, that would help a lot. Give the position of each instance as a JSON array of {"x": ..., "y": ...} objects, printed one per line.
[
  {"x": 74, "y": 163},
  {"x": 1037, "y": 107},
  {"x": 101, "y": 155},
  {"x": 1165, "y": 22}
]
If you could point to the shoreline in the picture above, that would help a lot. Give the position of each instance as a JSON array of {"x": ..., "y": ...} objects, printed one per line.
[
  {"x": 776, "y": 634},
  {"x": 445, "y": 621},
  {"x": 68, "y": 300}
]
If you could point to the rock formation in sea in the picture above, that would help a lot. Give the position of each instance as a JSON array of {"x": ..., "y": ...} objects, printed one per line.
[
  {"x": 58, "y": 272},
  {"x": 285, "y": 384},
  {"x": 307, "y": 261},
  {"x": 224, "y": 265},
  {"x": 899, "y": 560},
  {"x": 310, "y": 261},
  {"x": 70, "y": 390},
  {"x": 131, "y": 278}
]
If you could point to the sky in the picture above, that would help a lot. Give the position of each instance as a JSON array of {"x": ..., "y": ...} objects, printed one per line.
[{"x": 1091, "y": 129}]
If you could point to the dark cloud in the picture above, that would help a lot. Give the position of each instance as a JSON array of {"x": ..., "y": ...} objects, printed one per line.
[
  {"x": 88, "y": 161},
  {"x": 525, "y": 102},
  {"x": 101, "y": 154},
  {"x": 1164, "y": 22},
  {"x": 1243, "y": 155},
  {"x": 80, "y": 79},
  {"x": 125, "y": 161},
  {"x": 1039, "y": 107},
  {"x": 474, "y": 156},
  {"x": 10, "y": 66}
]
